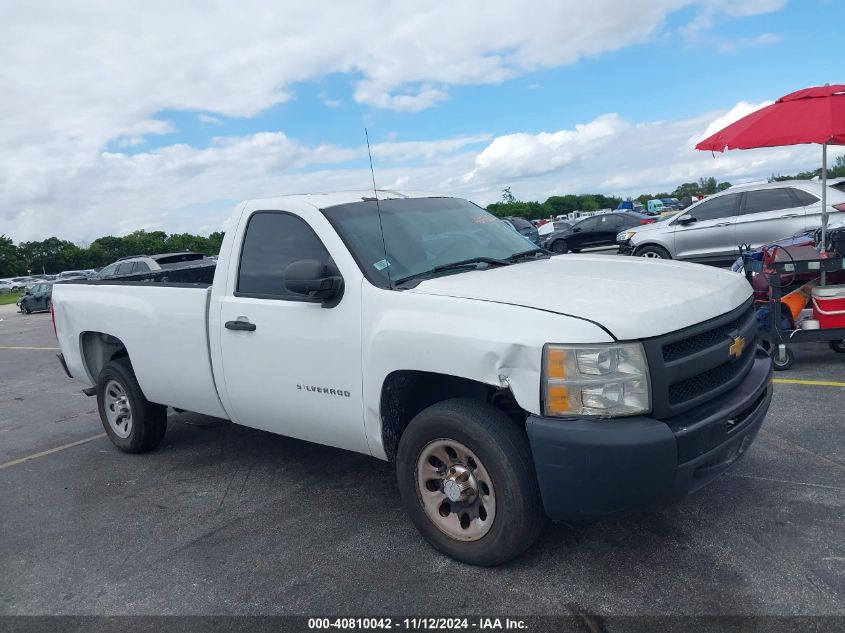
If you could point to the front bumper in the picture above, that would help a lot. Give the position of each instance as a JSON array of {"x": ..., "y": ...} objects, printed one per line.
[
  {"x": 626, "y": 248},
  {"x": 589, "y": 468}
]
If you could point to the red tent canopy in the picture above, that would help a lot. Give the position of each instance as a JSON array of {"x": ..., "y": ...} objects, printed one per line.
[{"x": 811, "y": 115}]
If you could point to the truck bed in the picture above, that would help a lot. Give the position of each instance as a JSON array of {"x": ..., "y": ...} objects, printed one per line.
[{"x": 162, "y": 322}]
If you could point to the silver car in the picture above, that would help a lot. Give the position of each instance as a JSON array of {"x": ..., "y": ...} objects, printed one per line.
[{"x": 711, "y": 230}]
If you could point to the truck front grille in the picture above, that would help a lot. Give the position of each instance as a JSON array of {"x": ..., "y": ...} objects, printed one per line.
[{"x": 694, "y": 365}]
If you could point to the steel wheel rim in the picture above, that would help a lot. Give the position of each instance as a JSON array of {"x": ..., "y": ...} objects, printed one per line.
[
  {"x": 455, "y": 490},
  {"x": 118, "y": 409}
]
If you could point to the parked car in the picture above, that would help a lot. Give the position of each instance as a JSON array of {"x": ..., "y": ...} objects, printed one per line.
[
  {"x": 149, "y": 263},
  {"x": 655, "y": 207},
  {"x": 385, "y": 327},
  {"x": 551, "y": 227},
  {"x": 525, "y": 228},
  {"x": 711, "y": 230},
  {"x": 597, "y": 230},
  {"x": 671, "y": 203},
  {"x": 68, "y": 275},
  {"x": 36, "y": 298},
  {"x": 630, "y": 205},
  {"x": 6, "y": 285},
  {"x": 20, "y": 283}
]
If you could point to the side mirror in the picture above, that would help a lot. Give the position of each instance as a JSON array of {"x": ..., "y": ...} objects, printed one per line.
[
  {"x": 686, "y": 219},
  {"x": 312, "y": 278}
]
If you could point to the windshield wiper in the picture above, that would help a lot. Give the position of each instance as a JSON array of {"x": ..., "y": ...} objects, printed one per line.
[
  {"x": 534, "y": 252},
  {"x": 491, "y": 261}
]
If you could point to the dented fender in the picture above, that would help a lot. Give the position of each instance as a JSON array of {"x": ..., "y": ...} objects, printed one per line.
[{"x": 494, "y": 343}]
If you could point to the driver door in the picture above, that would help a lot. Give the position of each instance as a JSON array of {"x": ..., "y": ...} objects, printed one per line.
[{"x": 290, "y": 365}]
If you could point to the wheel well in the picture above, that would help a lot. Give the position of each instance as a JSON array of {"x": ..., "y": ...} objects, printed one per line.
[
  {"x": 98, "y": 349},
  {"x": 406, "y": 393},
  {"x": 647, "y": 244}
]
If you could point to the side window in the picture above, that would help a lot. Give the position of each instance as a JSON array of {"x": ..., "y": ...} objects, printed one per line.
[
  {"x": 141, "y": 267},
  {"x": 767, "y": 200},
  {"x": 804, "y": 198},
  {"x": 124, "y": 268},
  {"x": 272, "y": 241},
  {"x": 612, "y": 222},
  {"x": 590, "y": 224},
  {"x": 108, "y": 270},
  {"x": 721, "y": 207}
]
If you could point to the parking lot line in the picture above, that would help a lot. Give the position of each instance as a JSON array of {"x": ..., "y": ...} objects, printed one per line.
[
  {"x": 21, "y": 460},
  {"x": 814, "y": 383},
  {"x": 54, "y": 349}
]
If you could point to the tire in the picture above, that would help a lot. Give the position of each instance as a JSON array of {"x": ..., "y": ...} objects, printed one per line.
[
  {"x": 786, "y": 364},
  {"x": 559, "y": 247},
  {"x": 25, "y": 308},
  {"x": 653, "y": 252},
  {"x": 117, "y": 389},
  {"x": 838, "y": 346},
  {"x": 486, "y": 443}
]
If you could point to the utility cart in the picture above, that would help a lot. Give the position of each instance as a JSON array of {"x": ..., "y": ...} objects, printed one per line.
[{"x": 777, "y": 339}]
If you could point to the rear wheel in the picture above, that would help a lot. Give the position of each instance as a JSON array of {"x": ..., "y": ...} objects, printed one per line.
[
  {"x": 559, "y": 247},
  {"x": 467, "y": 480},
  {"x": 838, "y": 346},
  {"x": 653, "y": 252},
  {"x": 133, "y": 423}
]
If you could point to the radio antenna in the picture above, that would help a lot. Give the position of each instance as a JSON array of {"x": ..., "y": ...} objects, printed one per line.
[{"x": 385, "y": 261}]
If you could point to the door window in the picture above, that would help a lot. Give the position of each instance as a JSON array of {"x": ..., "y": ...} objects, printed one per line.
[
  {"x": 716, "y": 208},
  {"x": 589, "y": 224},
  {"x": 272, "y": 241},
  {"x": 767, "y": 200},
  {"x": 804, "y": 198},
  {"x": 611, "y": 222},
  {"x": 124, "y": 269},
  {"x": 141, "y": 267}
]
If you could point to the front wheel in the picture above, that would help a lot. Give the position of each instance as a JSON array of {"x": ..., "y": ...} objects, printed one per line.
[
  {"x": 25, "y": 308},
  {"x": 653, "y": 252},
  {"x": 467, "y": 480},
  {"x": 133, "y": 423},
  {"x": 559, "y": 247}
]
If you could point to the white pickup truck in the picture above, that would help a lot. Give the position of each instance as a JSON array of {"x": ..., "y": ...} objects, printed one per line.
[{"x": 507, "y": 385}]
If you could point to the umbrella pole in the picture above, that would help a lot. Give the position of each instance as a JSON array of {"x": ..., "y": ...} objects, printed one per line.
[{"x": 824, "y": 205}]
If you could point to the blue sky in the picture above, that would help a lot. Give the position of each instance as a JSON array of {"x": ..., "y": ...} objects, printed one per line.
[{"x": 146, "y": 115}]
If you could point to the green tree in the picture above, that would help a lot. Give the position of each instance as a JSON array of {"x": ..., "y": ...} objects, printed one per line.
[
  {"x": 507, "y": 196},
  {"x": 9, "y": 263}
]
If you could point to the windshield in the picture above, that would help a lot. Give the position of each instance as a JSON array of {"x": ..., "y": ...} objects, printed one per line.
[{"x": 420, "y": 234}]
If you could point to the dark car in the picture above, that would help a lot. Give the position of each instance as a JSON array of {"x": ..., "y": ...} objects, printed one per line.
[
  {"x": 597, "y": 230},
  {"x": 525, "y": 228},
  {"x": 37, "y": 298}
]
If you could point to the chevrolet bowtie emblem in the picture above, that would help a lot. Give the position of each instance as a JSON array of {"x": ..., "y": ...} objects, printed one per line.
[{"x": 735, "y": 350}]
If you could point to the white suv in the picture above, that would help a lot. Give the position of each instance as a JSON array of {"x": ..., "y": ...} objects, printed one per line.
[{"x": 711, "y": 230}]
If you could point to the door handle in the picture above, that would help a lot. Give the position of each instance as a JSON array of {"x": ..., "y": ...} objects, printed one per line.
[
  {"x": 723, "y": 224},
  {"x": 791, "y": 215},
  {"x": 243, "y": 326}
]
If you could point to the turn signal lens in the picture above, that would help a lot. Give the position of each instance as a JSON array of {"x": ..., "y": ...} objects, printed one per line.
[
  {"x": 839, "y": 207},
  {"x": 557, "y": 401},
  {"x": 556, "y": 364}
]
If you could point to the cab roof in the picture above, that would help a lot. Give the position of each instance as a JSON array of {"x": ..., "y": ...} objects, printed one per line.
[{"x": 335, "y": 198}]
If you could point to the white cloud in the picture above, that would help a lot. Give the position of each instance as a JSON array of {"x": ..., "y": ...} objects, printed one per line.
[
  {"x": 522, "y": 155},
  {"x": 180, "y": 188},
  {"x": 209, "y": 120},
  {"x": 78, "y": 78}
]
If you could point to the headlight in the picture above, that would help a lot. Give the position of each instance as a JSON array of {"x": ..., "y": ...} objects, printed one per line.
[
  {"x": 624, "y": 236},
  {"x": 604, "y": 380}
]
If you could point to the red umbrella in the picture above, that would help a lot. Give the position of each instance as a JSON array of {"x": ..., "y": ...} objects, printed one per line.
[{"x": 811, "y": 115}]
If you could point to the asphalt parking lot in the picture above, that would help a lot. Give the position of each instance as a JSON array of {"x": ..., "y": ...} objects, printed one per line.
[{"x": 227, "y": 520}]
